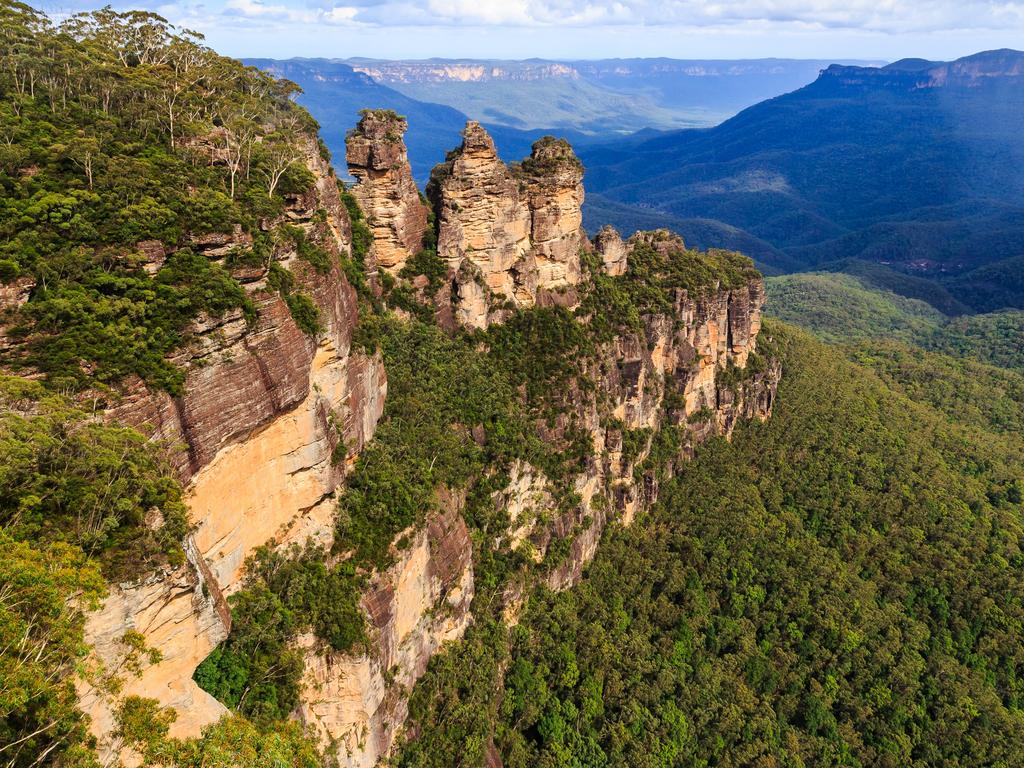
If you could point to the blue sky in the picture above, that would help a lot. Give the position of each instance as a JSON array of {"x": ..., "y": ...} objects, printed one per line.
[{"x": 870, "y": 29}]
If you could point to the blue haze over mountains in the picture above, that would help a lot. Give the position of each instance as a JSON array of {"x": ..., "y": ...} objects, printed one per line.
[
  {"x": 915, "y": 168},
  {"x": 519, "y": 101}
]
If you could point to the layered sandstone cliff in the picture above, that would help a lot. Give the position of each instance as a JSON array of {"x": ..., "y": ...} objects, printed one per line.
[
  {"x": 692, "y": 369},
  {"x": 356, "y": 704},
  {"x": 266, "y": 409},
  {"x": 510, "y": 236},
  {"x": 385, "y": 189},
  {"x": 259, "y": 424}
]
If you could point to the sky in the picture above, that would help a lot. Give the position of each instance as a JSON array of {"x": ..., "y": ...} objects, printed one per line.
[{"x": 582, "y": 29}]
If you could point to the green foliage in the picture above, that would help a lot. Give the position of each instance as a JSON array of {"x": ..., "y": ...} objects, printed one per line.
[
  {"x": 362, "y": 237},
  {"x": 841, "y": 309},
  {"x": 81, "y": 502},
  {"x": 119, "y": 129},
  {"x": 455, "y": 710},
  {"x": 454, "y": 415},
  {"x": 992, "y": 286},
  {"x": 439, "y": 390},
  {"x": 983, "y": 396},
  {"x": 256, "y": 672},
  {"x": 317, "y": 257},
  {"x": 304, "y": 312},
  {"x": 660, "y": 266},
  {"x": 996, "y": 338},
  {"x": 231, "y": 742},
  {"x": 43, "y": 589},
  {"x": 302, "y": 308},
  {"x": 543, "y": 350},
  {"x": 110, "y": 321},
  {"x": 426, "y": 262},
  {"x": 68, "y": 478},
  {"x": 883, "y": 278},
  {"x": 840, "y": 586}
]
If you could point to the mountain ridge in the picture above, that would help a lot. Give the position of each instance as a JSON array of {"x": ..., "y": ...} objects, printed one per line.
[{"x": 862, "y": 163}]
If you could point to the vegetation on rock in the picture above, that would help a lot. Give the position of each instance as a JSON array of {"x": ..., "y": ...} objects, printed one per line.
[
  {"x": 123, "y": 136},
  {"x": 793, "y": 599}
]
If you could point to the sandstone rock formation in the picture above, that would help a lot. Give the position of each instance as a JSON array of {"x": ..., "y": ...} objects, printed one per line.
[
  {"x": 609, "y": 246},
  {"x": 385, "y": 188},
  {"x": 263, "y": 411},
  {"x": 266, "y": 407},
  {"x": 357, "y": 703},
  {"x": 519, "y": 228},
  {"x": 670, "y": 375},
  {"x": 553, "y": 177}
]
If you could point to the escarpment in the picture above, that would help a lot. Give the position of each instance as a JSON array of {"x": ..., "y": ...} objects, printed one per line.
[
  {"x": 385, "y": 188},
  {"x": 646, "y": 393},
  {"x": 665, "y": 354},
  {"x": 269, "y": 416},
  {"x": 357, "y": 702}
]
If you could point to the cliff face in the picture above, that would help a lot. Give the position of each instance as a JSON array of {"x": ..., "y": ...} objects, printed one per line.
[
  {"x": 508, "y": 235},
  {"x": 385, "y": 188},
  {"x": 263, "y": 410},
  {"x": 669, "y": 377},
  {"x": 358, "y": 703},
  {"x": 266, "y": 408}
]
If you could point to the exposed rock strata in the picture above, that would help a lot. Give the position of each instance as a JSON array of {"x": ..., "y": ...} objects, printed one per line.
[
  {"x": 612, "y": 250},
  {"x": 265, "y": 407},
  {"x": 673, "y": 375},
  {"x": 519, "y": 228},
  {"x": 357, "y": 703},
  {"x": 385, "y": 189},
  {"x": 263, "y": 411}
]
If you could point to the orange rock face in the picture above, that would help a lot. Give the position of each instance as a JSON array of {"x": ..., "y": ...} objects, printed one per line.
[
  {"x": 377, "y": 158},
  {"x": 514, "y": 232},
  {"x": 256, "y": 430}
]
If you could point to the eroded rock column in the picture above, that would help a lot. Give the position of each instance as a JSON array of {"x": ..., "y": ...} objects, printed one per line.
[{"x": 385, "y": 190}]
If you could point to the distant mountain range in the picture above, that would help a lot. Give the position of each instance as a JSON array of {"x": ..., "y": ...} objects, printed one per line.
[
  {"x": 519, "y": 101},
  {"x": 594, "y": 97},
  {"x": 918, "y": 165},
  {"x": 334, "y": 93}
]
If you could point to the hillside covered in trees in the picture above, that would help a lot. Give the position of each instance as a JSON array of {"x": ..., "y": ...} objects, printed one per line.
[
  {"x": 840, "y": 585},
  {"x": 916, "y": 165},
  {"x": 118, "y": 133}
]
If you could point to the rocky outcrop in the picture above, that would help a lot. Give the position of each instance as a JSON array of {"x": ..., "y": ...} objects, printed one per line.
[
  {"x": 553, "y": 179},
  {"x": 519, "y": 230},
  {"x": 13, "y": 294},
  {"x": 271, "y": 417},
  {"x": 685, "y": 372},
  {"x": 268, "y": 420},
  {"x": 356, "y": 704},
  {"x": 688, "y": 371},
  {"x": 387, "y": 194},
  {"x": 482, "y": 218},
  {"x": 609, "y": 246}
]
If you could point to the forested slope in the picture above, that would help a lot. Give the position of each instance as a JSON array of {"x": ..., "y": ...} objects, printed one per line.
[
  {"x": 128, "y": 149},
  {"x": 839, "y": 586},
  {"x": 844, "y": 309}
]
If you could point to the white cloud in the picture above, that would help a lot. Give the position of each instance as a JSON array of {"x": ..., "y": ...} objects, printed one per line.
[
  {"x": 871, "y": 15},
  {"x": 880, "y": 16}
]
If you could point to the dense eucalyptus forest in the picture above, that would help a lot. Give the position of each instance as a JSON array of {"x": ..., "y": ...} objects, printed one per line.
[{"x": 842, "y": 585}]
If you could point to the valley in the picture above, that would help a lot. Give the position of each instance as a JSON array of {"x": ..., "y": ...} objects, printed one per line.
[{"x": 462, "y": 412}]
